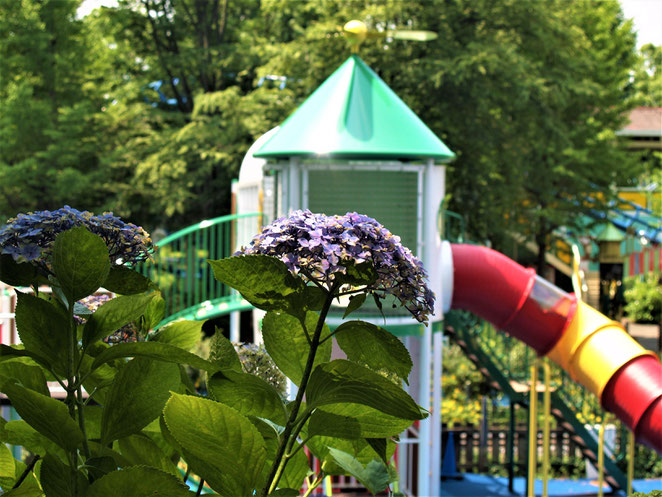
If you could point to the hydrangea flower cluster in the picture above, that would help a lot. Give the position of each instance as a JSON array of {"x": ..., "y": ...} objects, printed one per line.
[
  {"x": 317, "y": 247},
  {"x": 29, "y": 237},
  {"x": 126, "y": 334}
]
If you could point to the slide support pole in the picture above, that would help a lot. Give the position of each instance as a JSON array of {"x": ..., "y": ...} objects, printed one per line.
[
  {"x": 601, "y": 458},
  {"x": 545, "y": 439},
  {"x": 533, "y": 430},
  {"x": 630, "y": 461}
]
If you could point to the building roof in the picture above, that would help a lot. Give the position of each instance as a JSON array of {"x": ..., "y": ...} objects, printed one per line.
[
  {"x": 355, "y": 115},
  {"x": 644, "y": 121}
]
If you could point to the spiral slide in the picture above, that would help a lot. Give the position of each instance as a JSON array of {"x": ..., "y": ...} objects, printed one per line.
[{"x": 596, "y": 351}]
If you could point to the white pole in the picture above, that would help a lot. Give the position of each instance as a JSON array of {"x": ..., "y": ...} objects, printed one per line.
[
  {"x": 435, "y": 459},
  {"x": 424, "y": 432},
  {"x": 234, "y": 326}
]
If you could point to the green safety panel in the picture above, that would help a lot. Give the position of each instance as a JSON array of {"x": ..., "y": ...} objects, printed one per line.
[{"x": 391, "y": 197}]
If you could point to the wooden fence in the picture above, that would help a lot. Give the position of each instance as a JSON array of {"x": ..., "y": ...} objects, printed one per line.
[{"x": 477, "y": 452}]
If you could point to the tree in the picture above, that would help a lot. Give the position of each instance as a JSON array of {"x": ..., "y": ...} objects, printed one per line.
[{"x": 50, "y": 127}]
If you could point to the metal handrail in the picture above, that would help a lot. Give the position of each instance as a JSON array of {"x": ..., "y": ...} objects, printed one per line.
[{"x": 180, "y": 269}]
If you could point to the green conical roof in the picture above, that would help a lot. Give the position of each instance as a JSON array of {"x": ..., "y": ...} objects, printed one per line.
[
  {"x": 610, "y": 233},
  {"x": 355, "y": 115}
]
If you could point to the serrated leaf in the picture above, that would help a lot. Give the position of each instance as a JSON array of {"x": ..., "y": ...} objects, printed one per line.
[
  {"x": 137, "y": 397},
  {"x": 43, "y": 329},
  {"x": 29, "y": 488},
  {"x": 55, "y": 478},
  {"x": 359, "y": 449},
  {"x": 19, "y": 432},
  {"x": 80, "y": 262},
  {"x": 286, "y": 343},
  {"x": 379, "y": 446},
  {"x": 7, "y": 467},
  {"x": 222, "y": 446},
  {"x": 343, "y": 381},
  {"x": 286, "y": 492},
  {"x": 296, "y": 471},
  {"x": 223, "y": 354},
  {"x": 355, "y": 302},
  {"x": 372, "y": 423},
  {"x": 48, "y": 416},
  {"x": 248, "y": 394},
  {"x": 263, "y": 280},
  {"x": 155, "y": 311},
  {"x": 138, "y": 481},
  {"x": 333, "y": 425},
  {"x": 184, "y": 334},
  {"x": 100, "y": 466},
  {"x": 114, "y": 314},
  {"x": 375, "y": 347},
  {"x": 13, "y": 352},
  {"x": 374, "y": 476},
  {"x": 126, "y": 281},
  {"x": 154, "y": 350},
  {"x": 16, "y": 274},
  {"x": 31, "y": 377},
  {"x": 141, "y": 449}
]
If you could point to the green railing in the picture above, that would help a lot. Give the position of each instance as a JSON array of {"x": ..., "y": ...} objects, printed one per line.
[
  {"x": 179, "y": 266},
  {"x": 508, "y": 361}
]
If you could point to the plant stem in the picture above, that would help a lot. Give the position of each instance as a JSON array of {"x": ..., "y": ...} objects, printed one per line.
[
  {"x": 26, "y": 472},
  {"x": 315, "y": 484},
  {"x": 280, "y": 461},
  {"x": 71, "y": 392}
]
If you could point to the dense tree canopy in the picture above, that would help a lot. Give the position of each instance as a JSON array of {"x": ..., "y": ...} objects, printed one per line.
[{"x": 528, "y": 94}]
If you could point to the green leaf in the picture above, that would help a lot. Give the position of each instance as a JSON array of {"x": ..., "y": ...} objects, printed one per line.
[
  {"x": 343, "y": 381},
  {"x": 16, "y": 274},
  {"x": 359, "y": 274},
  {"x": 183, "y": 334},
  {"x": 13, "y": 352},
  {"x": 31, "y": 377},
  {"x": 114, "y": 314},
  {"x": 375, "y": 347},
  {"x": 55, "y": 478},
  {"x": 100, "y": 466},
  {"x": 155, "y": 312},
  {"x": 223, "y": 353},
  {"x": 154, "y": 350},
  {"x": 19, "y": 432},
  {"x": 29, "y": 488},
  {"x": 80, "y": 262},
  {"x": 48, "y": 416},
  {"x": 359, "y": 449},
  {"x": 374, "y": 476},
  {"x": 248, "y": 394},
  {"x": 42, "y": 327},
  {"x": 286, "y": 492},
  {"x": 140, "y": 449},
  {"x": 137, "y": 397},
  {"x": 379, "y": 445},
  {"x": 7, "y": 467},
  {"x": 286, "y": 343},
  {"x": 222, "y": 446},
  {"x": 333, "y": 425},
  {"x": 355, "y": 302},
  {"x": 138, "y": 481},
  {"x": 296, "y": 471},
  {"x": 263, "y": 280},
  {"x": 126, "y": 281},
  {"x": 372, "y": 423}
]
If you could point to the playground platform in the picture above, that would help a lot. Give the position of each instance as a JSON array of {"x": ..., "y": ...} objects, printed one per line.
[{"x": 477, "y": 485}]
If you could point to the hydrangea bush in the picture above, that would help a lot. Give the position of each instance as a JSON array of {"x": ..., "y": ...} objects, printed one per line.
[{"x": 131, "y": 413}]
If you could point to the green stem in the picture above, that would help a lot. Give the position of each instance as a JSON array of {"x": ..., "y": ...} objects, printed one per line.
[
  {"x": 71, "y": 392},
  {"x": 280, "y": 461},
  {"x": 81, "y": 421},
  {"x": 315, "y": 484}
]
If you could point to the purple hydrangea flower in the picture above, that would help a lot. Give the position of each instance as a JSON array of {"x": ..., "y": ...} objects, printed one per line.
[
  {"x": 317, "y": 247},
  {"x": 30, "y": 237}
]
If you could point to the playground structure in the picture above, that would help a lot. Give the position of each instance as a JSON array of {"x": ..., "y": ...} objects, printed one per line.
[{"x": 340, "y": 151}]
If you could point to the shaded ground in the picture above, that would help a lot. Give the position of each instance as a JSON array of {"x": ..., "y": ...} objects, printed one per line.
[{"x": 474, "y": 485}]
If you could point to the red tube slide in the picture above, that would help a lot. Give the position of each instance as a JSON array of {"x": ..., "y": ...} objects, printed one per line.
[{"x": 596, "y": 351}]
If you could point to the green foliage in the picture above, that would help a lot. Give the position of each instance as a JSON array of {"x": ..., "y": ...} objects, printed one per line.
[
  {"x": 245, "y": 439},
  {"x": 460, "y": 388},
  {"x": 643, "y": 296}
]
